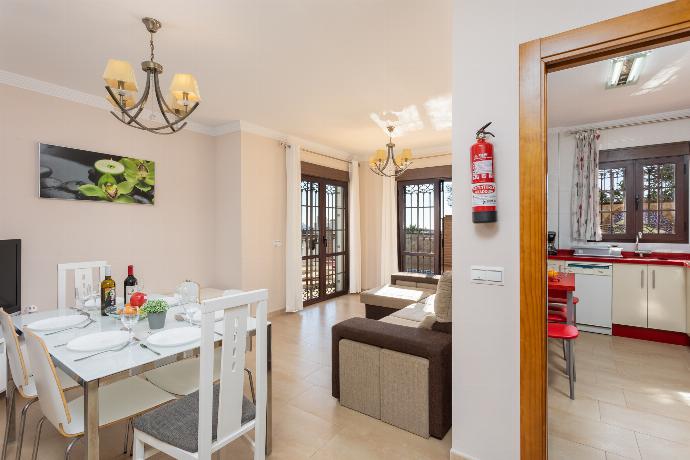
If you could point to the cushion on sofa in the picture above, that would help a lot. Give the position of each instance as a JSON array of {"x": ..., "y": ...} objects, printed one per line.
[
  {"x": 390, "y": 319},
  {"x": 393, "y": 296},
  {"x": 443, "y": 302}
]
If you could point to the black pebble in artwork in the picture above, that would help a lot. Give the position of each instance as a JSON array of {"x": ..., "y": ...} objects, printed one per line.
[
  {"x": 57, "y": 193},
  {"x": 141, "y": 199},
  {"x": 50, "y": 182},
  {"x": 73, "y": 186},
  {"x": 46, "y": 172}
]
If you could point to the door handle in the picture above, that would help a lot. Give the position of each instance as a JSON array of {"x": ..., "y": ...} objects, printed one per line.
[{"x": 653, "y": 279}]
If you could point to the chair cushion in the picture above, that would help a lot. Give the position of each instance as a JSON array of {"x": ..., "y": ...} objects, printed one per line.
[
  {"x": 393, "y": 296},
  {"x": 444, "y": 293},
  {"x": 177, "y": 423}
]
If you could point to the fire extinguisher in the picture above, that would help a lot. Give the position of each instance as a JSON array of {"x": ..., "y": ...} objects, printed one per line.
[{"x": 483, "y": 183}]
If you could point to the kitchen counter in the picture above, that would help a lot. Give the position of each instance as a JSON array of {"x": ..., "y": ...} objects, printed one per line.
[{"x": 629, "y": 257}]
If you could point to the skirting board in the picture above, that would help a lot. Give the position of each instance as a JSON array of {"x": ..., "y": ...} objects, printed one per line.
[{"x": 455, "y": 455}]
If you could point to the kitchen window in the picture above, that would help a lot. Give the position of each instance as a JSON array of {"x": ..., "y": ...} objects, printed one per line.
[{"x": 644, "y": 189}]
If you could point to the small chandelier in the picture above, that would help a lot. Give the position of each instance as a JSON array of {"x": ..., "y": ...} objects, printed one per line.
[
  {"x": 379, "y": 162},
  {"x": 121, "y": 85}
]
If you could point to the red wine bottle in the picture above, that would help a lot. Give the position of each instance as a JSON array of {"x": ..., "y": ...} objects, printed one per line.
[{"x": 130, "y": 283}]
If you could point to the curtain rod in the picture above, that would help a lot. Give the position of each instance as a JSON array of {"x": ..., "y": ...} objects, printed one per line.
[
  {"x": 634, "y": 123},
  {"x": 285, "y": 144}
]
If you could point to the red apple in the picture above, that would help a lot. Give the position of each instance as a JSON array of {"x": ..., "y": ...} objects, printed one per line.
[{"x": 138, "y": 299}]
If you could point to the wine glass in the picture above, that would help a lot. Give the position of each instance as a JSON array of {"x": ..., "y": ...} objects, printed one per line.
[
  {"x": 130, "y": 318},
  {"x": 190, "y": 309}
]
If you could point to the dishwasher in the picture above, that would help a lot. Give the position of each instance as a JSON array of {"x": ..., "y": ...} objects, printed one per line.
[{"x": 593, "y": 286}]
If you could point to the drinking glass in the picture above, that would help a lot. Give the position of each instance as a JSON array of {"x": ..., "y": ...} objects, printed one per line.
[
  {"x": 130, "y": 318},
  {"x": 190, "y": 308}
]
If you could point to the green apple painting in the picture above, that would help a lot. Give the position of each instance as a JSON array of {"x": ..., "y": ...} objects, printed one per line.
[{"x": 74, "y": 174}]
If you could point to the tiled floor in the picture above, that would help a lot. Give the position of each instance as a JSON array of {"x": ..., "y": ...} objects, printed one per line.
[
  {"x": 632, "y": 401},
  {"x": 307, "y": 421}
]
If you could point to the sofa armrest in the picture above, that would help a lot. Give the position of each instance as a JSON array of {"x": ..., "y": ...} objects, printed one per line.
[{"x": 431, "y": 345}]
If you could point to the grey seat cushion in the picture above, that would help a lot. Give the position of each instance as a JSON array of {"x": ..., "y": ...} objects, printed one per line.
[{"x": 177, "y": 422}]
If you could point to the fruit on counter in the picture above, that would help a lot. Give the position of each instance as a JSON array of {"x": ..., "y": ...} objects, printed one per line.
[{"x": 137, "y": 299}]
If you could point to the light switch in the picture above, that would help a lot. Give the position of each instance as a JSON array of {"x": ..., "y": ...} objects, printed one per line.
[{"x": 486, "y": 275}]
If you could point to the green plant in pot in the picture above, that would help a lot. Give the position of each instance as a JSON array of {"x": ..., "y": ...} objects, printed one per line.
[{"x": 155, "y": 311}]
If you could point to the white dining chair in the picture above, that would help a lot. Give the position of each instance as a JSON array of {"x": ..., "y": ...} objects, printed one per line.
[
  {"x": 23, "y": 379},
  {"x": 185, "y": 428},
  {"x": 83, "y": 278},
  {"x": 117, "y": 401},
  {"x": 182, "y": 377}
]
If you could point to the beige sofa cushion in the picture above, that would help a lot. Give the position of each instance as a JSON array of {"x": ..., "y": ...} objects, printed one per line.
[
  {"x": 390, "y": 319},
  {"x": 394, "y": 296},
  {"x": 443, "y": 302}
]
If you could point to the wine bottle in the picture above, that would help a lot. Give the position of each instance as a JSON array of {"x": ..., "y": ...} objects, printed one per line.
[
  {"x": 107, "y": 291},
  {"x": 130, "y": 283}
]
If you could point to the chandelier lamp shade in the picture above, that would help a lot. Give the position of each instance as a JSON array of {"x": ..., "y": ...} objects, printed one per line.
[
  {"x": 121, "y": 86},
  {"x": 379, "y": 162}
]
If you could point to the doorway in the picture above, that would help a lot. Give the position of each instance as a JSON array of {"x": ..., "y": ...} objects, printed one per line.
[
  {"x": 655, "y": 27},
  {"x": 324, "y": 238}
]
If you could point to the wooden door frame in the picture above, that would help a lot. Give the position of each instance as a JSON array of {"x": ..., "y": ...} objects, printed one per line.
[{"x": 653, "y": 27}]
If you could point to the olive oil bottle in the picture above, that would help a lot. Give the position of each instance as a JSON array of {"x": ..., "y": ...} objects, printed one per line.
[{"x": 108, "y": 293}]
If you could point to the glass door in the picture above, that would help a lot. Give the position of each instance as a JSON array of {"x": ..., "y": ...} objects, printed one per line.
[{"x": 324, "y": 239}]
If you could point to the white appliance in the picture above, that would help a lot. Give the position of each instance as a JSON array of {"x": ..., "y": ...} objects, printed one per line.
[{"x": 593, "y": 286}]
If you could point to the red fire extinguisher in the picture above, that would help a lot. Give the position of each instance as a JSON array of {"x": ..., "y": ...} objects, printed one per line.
[{"x": 483, "y": 183}]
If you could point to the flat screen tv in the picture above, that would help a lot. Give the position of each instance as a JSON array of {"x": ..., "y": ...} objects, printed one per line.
[{"x": 10, "y": 275}]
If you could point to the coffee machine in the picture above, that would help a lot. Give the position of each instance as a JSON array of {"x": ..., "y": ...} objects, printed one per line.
[{"x": 551, "y": 244}]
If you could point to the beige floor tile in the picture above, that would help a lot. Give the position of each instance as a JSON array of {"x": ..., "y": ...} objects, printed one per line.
[
  {"x": 580, "y": 406},
  {"x": 668, "y": 404},
  {"x": 562, "y": 449},
  {"x": 646, "y": 423},
  {"x": 593, "y": 433},
  {"x": 660, "y": 449}
]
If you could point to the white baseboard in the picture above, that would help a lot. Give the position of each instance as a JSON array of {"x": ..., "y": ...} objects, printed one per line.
[{"x": 456, "y": 455}]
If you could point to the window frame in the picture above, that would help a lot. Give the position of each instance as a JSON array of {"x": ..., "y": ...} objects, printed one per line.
[{"x": 633, "y": 159}]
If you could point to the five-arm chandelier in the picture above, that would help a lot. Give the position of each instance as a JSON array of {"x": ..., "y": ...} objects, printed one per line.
[
  {"x": 380, "y": 161},
  {"x": 121, "y": 85}
]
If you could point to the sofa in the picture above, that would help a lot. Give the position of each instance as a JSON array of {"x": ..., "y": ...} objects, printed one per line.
[
  {"x": 403, "y": 290},
  {"x": 398, "y": 368}
]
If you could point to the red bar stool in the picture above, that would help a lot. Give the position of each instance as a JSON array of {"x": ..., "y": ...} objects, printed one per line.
[
  {"x": 556, "y": 317},
  {"x": 567, "y": 333}
]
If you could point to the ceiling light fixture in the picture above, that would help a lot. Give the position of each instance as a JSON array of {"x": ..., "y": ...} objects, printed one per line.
[
  {"x": 121, "y": 85},
  {"x": 625, "y": 70},
  {"x": 380, "y": 161}
]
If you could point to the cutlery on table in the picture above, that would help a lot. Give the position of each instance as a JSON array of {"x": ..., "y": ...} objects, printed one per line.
[
  {"x": 143, "y": 345},
  {"x": 120, "y": 348},
  {"x": 80, "y": 326}
]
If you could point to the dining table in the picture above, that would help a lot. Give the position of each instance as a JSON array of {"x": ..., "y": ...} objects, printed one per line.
[
  {"x": 130, "y": 361},
  {"x": 564, "y": 285}
]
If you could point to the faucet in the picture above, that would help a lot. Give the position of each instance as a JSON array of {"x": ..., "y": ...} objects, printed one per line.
[{"x": 638, "y": 237}]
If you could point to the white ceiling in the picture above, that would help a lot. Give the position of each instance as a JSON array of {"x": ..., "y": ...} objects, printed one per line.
[
  {"x": 578, "y": 96},
  {"x": 317, "y": 69}
]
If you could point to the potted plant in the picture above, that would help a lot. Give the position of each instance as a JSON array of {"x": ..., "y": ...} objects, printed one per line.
[{"x": 155, "y": 311}]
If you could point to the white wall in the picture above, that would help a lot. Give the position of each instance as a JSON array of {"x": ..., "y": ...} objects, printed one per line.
[
  {"x": 486, "y": 334},
  {"x": 561, "y": 158}
]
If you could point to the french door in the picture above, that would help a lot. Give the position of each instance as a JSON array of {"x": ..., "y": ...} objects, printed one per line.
[{"x": 324, "y": 239}]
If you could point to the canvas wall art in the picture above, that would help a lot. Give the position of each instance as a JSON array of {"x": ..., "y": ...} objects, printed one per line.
[{"x": 73, "y": 174}]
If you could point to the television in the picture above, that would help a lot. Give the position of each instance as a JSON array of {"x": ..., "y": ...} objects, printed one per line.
[{"x": 10, "y": 275}]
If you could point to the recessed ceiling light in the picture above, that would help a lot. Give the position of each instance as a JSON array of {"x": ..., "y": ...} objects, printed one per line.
[{"x": 625, "y": 70}]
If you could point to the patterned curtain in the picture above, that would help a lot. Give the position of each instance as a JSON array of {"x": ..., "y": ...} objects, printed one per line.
[{"x": 584, "y": 207}]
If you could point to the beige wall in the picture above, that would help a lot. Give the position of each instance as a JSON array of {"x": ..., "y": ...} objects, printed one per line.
[
  {"x": 167, "y": 242},
  {"x": 322, "y": 160},
  {"x": 263, "y": 217}
]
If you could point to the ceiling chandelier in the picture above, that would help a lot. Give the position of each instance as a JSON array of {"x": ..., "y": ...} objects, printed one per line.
[
  {"x": 379, "y": 163},
  {"x": 121, "y": 85}
]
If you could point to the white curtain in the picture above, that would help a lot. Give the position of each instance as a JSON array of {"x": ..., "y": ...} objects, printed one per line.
[
  {"x": 354, "y": 230},
  {"x": 389, "y": 230},
  {"x": 584, "y": 206},
  {"x": 293, "y": 230}
]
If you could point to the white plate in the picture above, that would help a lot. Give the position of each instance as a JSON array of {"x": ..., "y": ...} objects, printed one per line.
[
  {"x": 57, "y": 322},
  {"x": 175, "y": 337},
  {"x": 218, "y": 316},
  {"x": 98, "y": 341}
]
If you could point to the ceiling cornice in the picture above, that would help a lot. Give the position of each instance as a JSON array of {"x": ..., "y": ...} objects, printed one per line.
[
  {"x": 665, "y": 116},
  {"x": 68, "y": 94}
]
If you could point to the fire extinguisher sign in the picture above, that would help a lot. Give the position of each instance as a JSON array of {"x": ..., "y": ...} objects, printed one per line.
[{"x": 483, "y": 182}]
